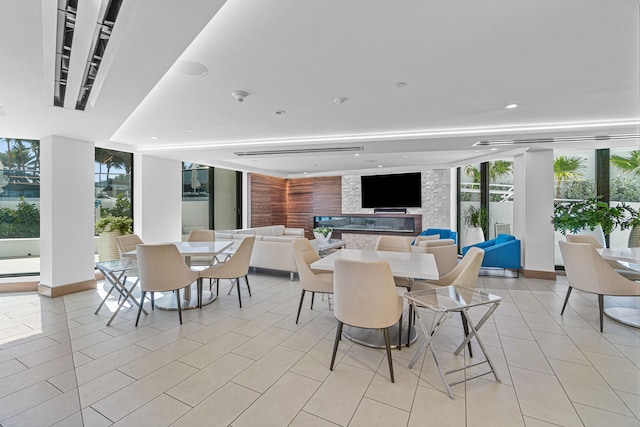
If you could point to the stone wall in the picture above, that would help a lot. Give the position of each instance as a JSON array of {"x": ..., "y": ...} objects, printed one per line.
[{"x": 435, "y": 211}]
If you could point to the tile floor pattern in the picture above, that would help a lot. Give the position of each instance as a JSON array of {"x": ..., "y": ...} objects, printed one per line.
[{"x": 61, "y": 365}]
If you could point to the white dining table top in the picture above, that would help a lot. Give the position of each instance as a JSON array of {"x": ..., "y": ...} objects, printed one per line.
[
  {"x": 631, "y": 255},
  {"x": 403, "y": 264},
  {"x": 196, "y": 248}
]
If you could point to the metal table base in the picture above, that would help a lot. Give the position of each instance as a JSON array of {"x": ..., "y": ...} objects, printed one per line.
[
  {"x": 188, "y": 299},
  {"x": 375, "y": 337}
]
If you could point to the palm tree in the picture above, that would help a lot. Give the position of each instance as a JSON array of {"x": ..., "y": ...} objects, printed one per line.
[
  {"x": 629, "y": 164},
  {"x": 499, "y": 168},
  {"x": 566, "y": 168},
  {"x": 473, "y": 172}
]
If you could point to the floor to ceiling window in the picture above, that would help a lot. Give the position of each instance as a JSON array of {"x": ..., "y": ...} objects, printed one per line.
[
  {"x": 113, "y": 183},
  {"x": 19, "y": 206},
  {"x": 211, "y": 198}
]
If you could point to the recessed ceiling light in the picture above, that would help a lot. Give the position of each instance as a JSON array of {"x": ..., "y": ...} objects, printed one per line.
[
  {"x": 189, "y": 130},
  {"x": 280, "y": 112},
  {"x": 154, "y": 137},
  {"x": 357, "y": 154},
  {"x": 401, "y": 84},
  {"x": 511, "y": 106},
  {"x": 341, "y": 100},
  {"x": 404, "y": 157},
  {"x": 190, "y": 68},
  {"x": 494, "y": 149},
  {"x": 379, "y": 166}
]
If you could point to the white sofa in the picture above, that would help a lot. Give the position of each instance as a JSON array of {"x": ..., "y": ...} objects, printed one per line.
[{"x": 273, "y": 248}]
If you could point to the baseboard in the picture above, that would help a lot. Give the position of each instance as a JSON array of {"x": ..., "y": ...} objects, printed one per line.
[
  {"x": 535, "y": 274},
  {"x": 26, "y": 286},
  {"x": 71, "y": 288}
]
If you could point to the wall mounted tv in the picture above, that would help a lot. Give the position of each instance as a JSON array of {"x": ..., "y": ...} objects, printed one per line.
[{"x": 392, "y": 191}]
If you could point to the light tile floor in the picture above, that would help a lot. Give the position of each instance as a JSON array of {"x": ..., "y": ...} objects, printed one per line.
[{"x": 61, "y": 365}]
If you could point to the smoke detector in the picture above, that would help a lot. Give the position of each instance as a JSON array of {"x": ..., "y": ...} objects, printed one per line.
[{"x": 239, "y": 95}]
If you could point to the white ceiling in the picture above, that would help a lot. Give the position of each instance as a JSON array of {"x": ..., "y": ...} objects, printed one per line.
[{"x": 571, "y": 65}]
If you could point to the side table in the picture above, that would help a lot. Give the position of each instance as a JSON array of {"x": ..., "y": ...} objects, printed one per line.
[
  {"x": 444, "y": 301},
  {"x": 115, "y": 272}
]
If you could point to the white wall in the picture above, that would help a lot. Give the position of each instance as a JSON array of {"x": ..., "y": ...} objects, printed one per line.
[
  {"x": 533, "y": 208},
  {"x": 66, "y": 211},
  {"x": 157, "y": 202}
]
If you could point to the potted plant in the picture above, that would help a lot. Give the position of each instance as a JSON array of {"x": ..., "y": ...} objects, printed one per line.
[
  {"x": 109, "y": 227},
  {"x": 476, "y": 219},
  {"x": 593, "y": 215},
  {"x": 322, "y": 234}
]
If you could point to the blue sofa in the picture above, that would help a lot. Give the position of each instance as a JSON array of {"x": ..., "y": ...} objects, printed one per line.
[
  {"x": 443, "y": 232},
  {"x": 501, "y": 252}
]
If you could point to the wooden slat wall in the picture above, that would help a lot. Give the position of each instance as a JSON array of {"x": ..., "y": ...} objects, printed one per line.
[{"x": 293, "y": 202}]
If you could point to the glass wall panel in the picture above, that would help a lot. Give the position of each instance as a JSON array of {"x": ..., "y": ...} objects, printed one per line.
[
  {"x": 624, "y": 186},
  {"x": 469, "y": 195},
  {"x": 500, "y": 197},
  {"x": 113, "y": 183},
  {"x": 19, "y": 206},
  {"x": 196, "y": 191},
  {"x": 574, "y": 177}
]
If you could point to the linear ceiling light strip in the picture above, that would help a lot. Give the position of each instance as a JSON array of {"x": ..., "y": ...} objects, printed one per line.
[
  {"x": 67, "y": 10},
  {"x": 101, "y": 37},
  {"x": 298, "y": 151}
]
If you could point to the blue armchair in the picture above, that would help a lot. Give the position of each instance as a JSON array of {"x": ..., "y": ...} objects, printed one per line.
[
  {"x": 443, "y": 232},
  {"x": 501, "y": 252}
]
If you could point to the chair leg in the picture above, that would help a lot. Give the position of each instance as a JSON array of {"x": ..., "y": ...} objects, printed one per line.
[
  {"x": 179, "y": 308},
  {"x": 199, "y": 283},
  {"x": 153, "y": 301},
  {"x": 388, "y": 344},
  {"x": 313, "y": 294},
  {"x": 246, "y": 279},
  {"x": 566, "y": 300},
  {"x": 465, "y": 326},
  {"x": 410, "y": 322},
  {"x": 217, "y": 287},
  {"x": 140, "y": 308},
  {"x": 238, "y": 287},
  {"x": 601, "y": 308},
  {"x": 335, "y": 344},
  {"x": 400, "y": 333},
  {"x": 300, "y": 305}
]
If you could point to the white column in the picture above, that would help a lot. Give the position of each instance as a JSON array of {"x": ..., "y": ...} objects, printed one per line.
[
  {"x": 157, "y": 204},
  {"x": 532, "y": 211},
  {"x": 67, "y": 248}
]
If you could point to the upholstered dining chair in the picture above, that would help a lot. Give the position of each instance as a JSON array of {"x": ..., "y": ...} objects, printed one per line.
[
  {"x": 310, "y": 280},
  {"x": 620, "y": 268},
  {"x": 162, "y": 269},
  {"x": 396, "y": 244},
  {"x": 234, "y": 268},
  {"x": 445, "y": 252},
  {"x": 201, "y": 236},
  {"x": 587, "y": 271},
  {"x": 365, "y": 296},
  {"x": 128, "y": 243},
  {"x": 464, "y": 274}
]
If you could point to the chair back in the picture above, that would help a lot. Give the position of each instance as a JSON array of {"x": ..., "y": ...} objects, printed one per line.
[
  {"x": 201, "y": 236},
  {"x": 445, "y": 252},
  {"x": 305, "y": 254},
  {"x": 128, "y": 243},
  {"x": 393, "y": 244},
  {"x": 237, "y": 265},
  {"x": 466, "y": 272},
  {"x": 162, "y": 268},
  {"x": 365, "y": 294},
  {"x": 583, "y": 238},
  {"x": 588, "y": 271}
]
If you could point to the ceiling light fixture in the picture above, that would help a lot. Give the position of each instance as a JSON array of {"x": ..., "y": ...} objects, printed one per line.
[
  {"x": 280, "y": 112},
  {"x": 155, "y": 137},
  {"x": 357, "y": 154},
  {"x": 401, "y": 84},
  {"x": 404, "y": 135},
  {"x": 379, "y": 166},
  {"x": 511, "y": 106},
  {"x": 341, "y": 100},
  {"x": 554, "y": 140},
  {"x": 189, "y": 130},
  {"x": 240, "y": 95}
]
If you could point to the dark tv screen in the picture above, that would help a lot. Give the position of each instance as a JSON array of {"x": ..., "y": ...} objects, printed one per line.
[{"x": 392, "y": 191}]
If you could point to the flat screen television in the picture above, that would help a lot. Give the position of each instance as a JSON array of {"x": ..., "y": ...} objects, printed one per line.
[{"x": 392, "y": 191}]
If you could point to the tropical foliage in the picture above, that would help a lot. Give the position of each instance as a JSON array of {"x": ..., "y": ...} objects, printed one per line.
[
  {"x": 629, "y": 164},
  {"x": 578, "y": 215},
  {"x": 476, "y": 217},
  {"x": 24, "y": 221},
  {"x": 566, "y": 168},
  {"x": 114, "y": 223}
]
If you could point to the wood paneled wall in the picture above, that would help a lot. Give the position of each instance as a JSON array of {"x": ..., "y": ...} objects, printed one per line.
[{"x": 293, "y": 202}]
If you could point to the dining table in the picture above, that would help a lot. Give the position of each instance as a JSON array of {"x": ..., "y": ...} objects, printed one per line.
[
  {"x": 403, "y": 264},
  {"x": 189, "y": 299},
  {"x": 623, "y": 309}
]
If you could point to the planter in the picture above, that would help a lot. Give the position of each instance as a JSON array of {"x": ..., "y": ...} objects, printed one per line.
[
  {"x": 634, "y": 237},
  {"x": 322, "y": 239},
  {"x": 107, "y": 246},
  {"x": 474, "y": 235}
]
